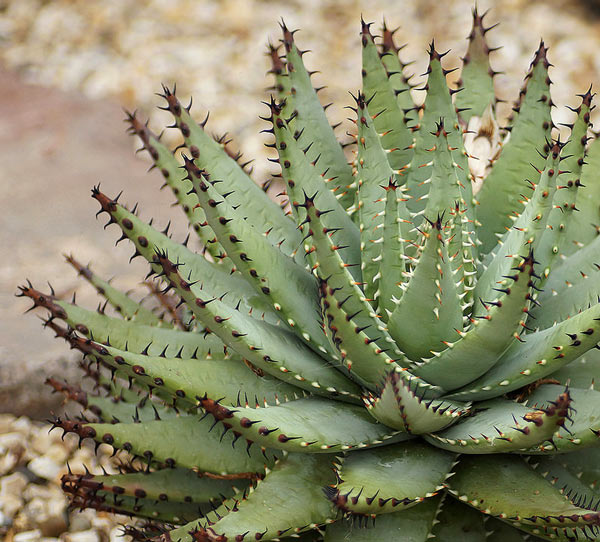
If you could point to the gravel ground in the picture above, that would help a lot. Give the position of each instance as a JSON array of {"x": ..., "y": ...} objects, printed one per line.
[{"x": 33, "y": 508}]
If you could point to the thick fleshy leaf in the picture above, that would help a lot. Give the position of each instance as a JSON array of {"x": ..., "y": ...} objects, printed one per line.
[
  {"x": 584, "y": 430},
  {"x": 170, "y": 169},
  {"x": 186, "y": 441},
  {"x": 429, "y": 313},
  {"x": 388, "y": 117},
  {"x": 499, "y": 426},
  {"x": 500, "y": 196},
  {"x": 413, "y": 524},
  {"x": 260, "y": 210},
  {"x": 476, "y": 77},
  {"x": 122, "y": 303},
  {"x": 536, "y": 356},
  {"x": 391, "y": 478},
  {"x": 311, "y": 122},
  {"x": 507, "y": 487},
  {"x": 310, "y": 425},
  {"x": 289, "y": 500},
  {"x": 398, "y": 405},
  {"x": 272, "y": 349},
  {"x": 477, "y": 350}
]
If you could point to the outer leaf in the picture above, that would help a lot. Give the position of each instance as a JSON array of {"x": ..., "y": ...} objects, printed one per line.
[
  {"x": 123, "y": 304},
  {"x": 170, "y": 169},
  {"x": 281, "y": 282},
  {"x": 506, "y": 487},
  {"x": 128, "y": 335},
  {"x": 271, "y": 348},
  {"x": 177, "y": 485},
  {"x": 499, "y": 426},
  {"x": 310, "y": 425},
  {"x": 303, "y": 178},
  {"x": 230, "y": 380},
  {"x": 262, "y": 212},
  {"x": 410, "y": 525},
  {"x": 216, "y": 279},
  {"x": 264, "y": 514},
  {"x": 538, "y": 356},
  {"x": 381, "y": 480},
  {"x": 186, "y": 441}
]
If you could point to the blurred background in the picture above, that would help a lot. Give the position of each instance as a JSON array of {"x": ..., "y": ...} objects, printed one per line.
[{"x": 69, "y": 67}]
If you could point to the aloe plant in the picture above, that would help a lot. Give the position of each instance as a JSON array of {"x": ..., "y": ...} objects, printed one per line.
[{"x": 401, "y": 351}]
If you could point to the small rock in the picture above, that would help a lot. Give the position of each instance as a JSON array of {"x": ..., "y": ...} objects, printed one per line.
[
  {"x": 14, "y": 484},
  {"x": 81, "y": 520},
  {"x": 10, "y": 505},
  {"x": 28, "y": 536},
  {"x": 81, "y": 536},
  {"x": 44, "y": 467},
  {"x": 117, "y": 535},
  {"x": 12, "y": 441},
  {"x": 8, "y": 461}
]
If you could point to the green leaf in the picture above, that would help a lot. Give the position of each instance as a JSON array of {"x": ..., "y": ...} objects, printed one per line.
[
  {"x": 388, "y": 117},
  {"x": 498, "y": 426},
  {"x": 412, "y": 524},
  {"x": 584, "y": 225},
  {"x": 260, "y": 211},
  {"x": 272, "y": 349},
  {"x": 429, "y": 313},
  {"x": 398, "y": 405},
  {"x": 128, "y": 335},
  {"x": 560, "y": 219},
  {"x": 585, "y": 429},
  {"x": 526, "y": 233},
  {"x": 536, "y": 356},
  {"x": 396, "y": 68},
  {"x": 122, "y": 303},
  {"x": 303, "y": 178},
  {"x": 216, "y": 279},
  {"x": 507, "y": 487},
  {"x": 309, "y": 425},
  {"x": 459, "y": 522},
  {"x": 391, "y": 478},
  {"x": 477, "y": 350},
  {"x": 170, "y": 168},
  {"x": 372, "y": 168},
  {"x": 476, "y": 77},
  {"x": 230, "y": 380},
  {"x": 438, "y": 105},
  {"x": 283, "y": 284},
  {"x": 500, "y": 195},
  {"x": 288, "y": 501},
  {"x": 312, "y": 123},
  {"x": 392, "y": 267},
  {"x": 186, "y": 441}
]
